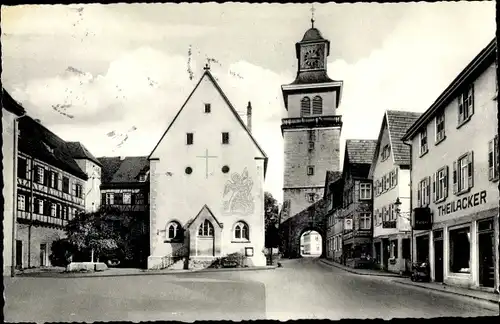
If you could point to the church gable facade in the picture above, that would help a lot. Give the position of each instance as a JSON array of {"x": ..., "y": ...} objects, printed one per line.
[{"x": 206, "y": 182}]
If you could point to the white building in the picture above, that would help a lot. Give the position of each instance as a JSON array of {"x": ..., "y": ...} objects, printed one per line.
[
  {"x": 390, "y": 172},
  {"x": 455, "y": 178},
  {"x": 206, "y": 183}
]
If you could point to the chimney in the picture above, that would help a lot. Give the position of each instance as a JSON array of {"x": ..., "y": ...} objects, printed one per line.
[{"x": 249, "y": 117}]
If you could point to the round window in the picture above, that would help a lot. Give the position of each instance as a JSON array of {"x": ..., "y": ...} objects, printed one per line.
[
  {"x": 189, "y": 170},
  {"x": 225, "y": 169}
]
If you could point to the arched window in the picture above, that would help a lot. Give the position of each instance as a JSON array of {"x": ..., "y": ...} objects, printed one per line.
[
  {"x": 317, "y": 105},
  {"x": 305, "y": 107},
  {"x": 241, "y": 231},
  {"x": 206, "y": 229},
  {"x": 174, "y": 230}
]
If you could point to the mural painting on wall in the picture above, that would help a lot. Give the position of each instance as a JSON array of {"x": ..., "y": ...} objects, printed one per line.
[{"x": 237, "y": 193}]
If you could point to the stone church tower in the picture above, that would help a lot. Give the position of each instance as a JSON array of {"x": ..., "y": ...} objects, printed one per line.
[{"x": 311, "y": 131}]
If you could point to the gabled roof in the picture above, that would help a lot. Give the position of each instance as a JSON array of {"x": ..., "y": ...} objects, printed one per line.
[
  {"x": 397, "y": 123},
  {"x": 207, "y": 210},
  {"x": 214, "y": 82},
  {"x": 39, "y": 142},
  {"x": 471, "y": 72},
  {"x": 123, "y": 170},
  {"x": 79, "y": 151},
  {"x": 11, "y": 105},
  {"x": 358, "y": 157}
]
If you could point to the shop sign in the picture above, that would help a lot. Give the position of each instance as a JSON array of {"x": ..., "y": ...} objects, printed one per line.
[
  {"x": 422, "y": 218},
  {"x": 470, "y": 201},
  {"x": 348, "y": 224}
]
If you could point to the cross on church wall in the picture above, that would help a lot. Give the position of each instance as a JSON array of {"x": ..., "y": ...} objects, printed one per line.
[{"x": 206, "y": 157}]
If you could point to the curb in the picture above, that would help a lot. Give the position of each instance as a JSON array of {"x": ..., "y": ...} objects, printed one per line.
[
  {"x": 391, "y": 275},
  {"x": 142, "y": 273},
  {"x": 494, "y": 301}
]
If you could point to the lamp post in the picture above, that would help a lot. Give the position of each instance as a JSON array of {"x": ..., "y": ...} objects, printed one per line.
[{"x": 397, "y": 204}]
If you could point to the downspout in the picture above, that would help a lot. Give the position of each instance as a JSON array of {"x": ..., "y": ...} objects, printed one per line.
[
  {"x": 14, "y": 208},
  {"x": 411, "y": 203}
]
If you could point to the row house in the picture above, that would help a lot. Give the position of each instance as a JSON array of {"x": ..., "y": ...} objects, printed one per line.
[
  {"x": 51, "y": 190},
  {"x": 334, "y": 225},
  {"x": 390, "y": 174},
  {"x": 124, "y": 189},
  {"x": 357, "y": 203},
  {"x": 11, "y": 112},
  {"x": 454, "y": 175}
]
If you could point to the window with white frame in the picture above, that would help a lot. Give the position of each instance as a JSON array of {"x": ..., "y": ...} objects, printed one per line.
[
  {"x": 423, "y": 197},
  {"x": 386, "y": 152},
  {"x": 241, "y": 231},
  {"x": 206, "y": 229},
  {"x": 174, "y": 230},
  {"x": 365, "y": 191},
  {"x": 466, "y": 105},
  {"x": 21, "y": 202},
  {"x": 40, "y": 175},
  {"x": 127, "y": 198},
  {"x": 53, "y": 210},
  {"x": 493, "y": 163},
  {"x": 423, "y": 142},
  {"x": 40, "y": 207},
  {"x": 365, "y": 221},
  {"x": 440, "y": 132},
  {"x": 440, "y": 184},
  {"x": 463, "y": 172},
  {"x": 110, "y": 198}
]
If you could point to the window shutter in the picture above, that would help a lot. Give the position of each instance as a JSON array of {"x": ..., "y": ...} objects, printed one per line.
[
  {"x": 419, "y": 194},
  {"x": 455, "y": 178},
  {"x": 460, "y": 108},
  {"x": 395, "y": 177},
  {"x": 496, "y": 150},
  {"x": 434, "y": 187},
  {"x": 470, "y": 169},
  {"x": 445, "y": 182},
  {"x": 103, "y": 199},
  {"x": 470, "y": 107},
  {"x": 428, "y": 190},
  {"x": 490, "y": 161}
]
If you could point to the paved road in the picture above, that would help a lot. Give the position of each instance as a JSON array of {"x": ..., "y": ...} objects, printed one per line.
[{"x": 303, "y": 288}]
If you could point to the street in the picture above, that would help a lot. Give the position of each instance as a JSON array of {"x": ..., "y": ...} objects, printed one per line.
[{"x": 303, "y": 288}]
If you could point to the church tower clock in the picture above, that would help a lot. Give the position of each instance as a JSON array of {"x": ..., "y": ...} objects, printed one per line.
[{"x": 311, "y": 131}]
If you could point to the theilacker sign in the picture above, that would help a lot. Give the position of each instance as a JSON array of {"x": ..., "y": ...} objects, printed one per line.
[{"x": 470, "y": 201}]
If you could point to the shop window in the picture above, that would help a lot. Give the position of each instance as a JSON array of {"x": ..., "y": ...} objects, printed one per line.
[
  {"x": 460, "y": 250},
  {"x": 394, "y": 251}
]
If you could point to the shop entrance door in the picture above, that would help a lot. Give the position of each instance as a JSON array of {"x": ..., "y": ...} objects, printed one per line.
[
  {"x": 438, "y": 256},
  {"x": 486, "y": 253}
]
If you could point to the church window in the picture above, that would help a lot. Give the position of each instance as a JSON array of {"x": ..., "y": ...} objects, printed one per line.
[
  {"x": 225, "y": 138},
  {"x": 317, "y": 105},
  {"x": 174, "y": 231},
  {"x": 305, "y": 106},
  {"x": 225, "y": 169},
  {"x": 206, "y": 229},
  {"x": 310, "y": 170},
  {"x": 189, "y": 138},
  {"x": 241, "y": 231},
  {"x": 208, "y": 108},
  {"x": 189, "y": 170}
]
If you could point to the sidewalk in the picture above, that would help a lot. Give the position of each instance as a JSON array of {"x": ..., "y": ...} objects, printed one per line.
[
  {"x": 363, "y": 272},
  {"x": 57, "y": 272}
]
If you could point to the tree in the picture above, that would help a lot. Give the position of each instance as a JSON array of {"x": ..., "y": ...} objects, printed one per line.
[
  {"x": 91, "y": 232},
  {"x": 271, "y": 213}
]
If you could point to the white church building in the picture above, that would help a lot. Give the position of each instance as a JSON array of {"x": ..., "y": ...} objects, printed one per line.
[{"x": 207, "y": 183}]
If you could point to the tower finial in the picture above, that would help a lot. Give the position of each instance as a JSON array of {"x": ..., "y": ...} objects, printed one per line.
[
  {"x": 207, "y": 65},
  {"x": 312, "y": 14}
]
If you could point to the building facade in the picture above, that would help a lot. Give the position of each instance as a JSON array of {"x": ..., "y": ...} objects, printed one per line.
[
  {"x": 390, "y": 174},
  {"x": 50, "y": 192},
  {"x": 454, "y": 178},
  {"x": 125, "y": 191},
  {"x": 312, "y": 243},
  {"x": 11, "y": 111},
  {"x": 311, "y": 131},
  {"x": 357, "y": 203},
  {"x": 206, "y": 183},
  {"x": 333, "y": 197}
]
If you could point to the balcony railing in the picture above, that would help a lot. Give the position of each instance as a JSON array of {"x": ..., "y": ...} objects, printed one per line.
[
  {"x": 317, "y": 121},
  {"x": 41, "y": 218}
]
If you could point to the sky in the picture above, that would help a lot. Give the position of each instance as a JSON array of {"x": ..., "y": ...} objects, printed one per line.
[{"x": 113, "y": 76}]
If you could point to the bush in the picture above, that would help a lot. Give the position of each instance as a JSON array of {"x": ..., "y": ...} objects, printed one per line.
[{"x": 62, "y": 252}]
